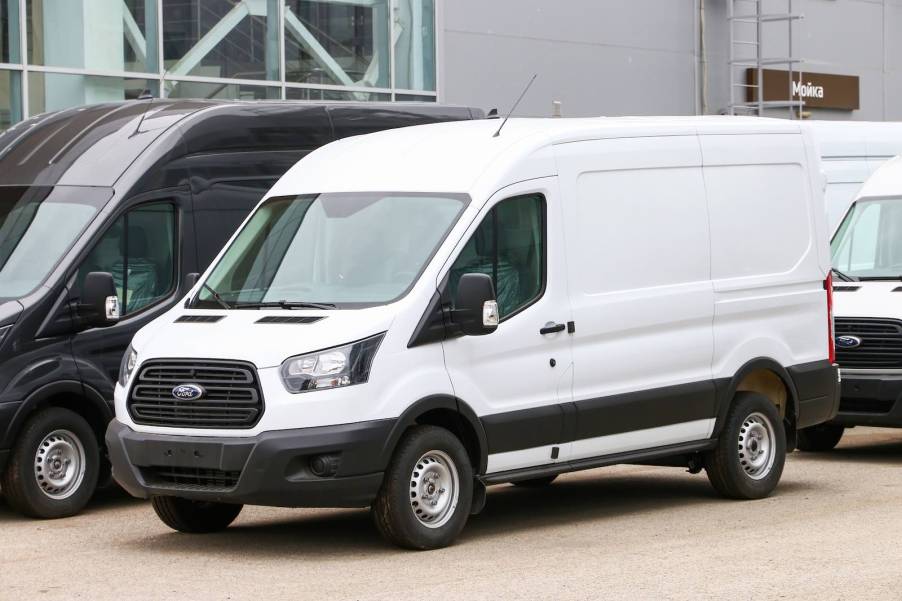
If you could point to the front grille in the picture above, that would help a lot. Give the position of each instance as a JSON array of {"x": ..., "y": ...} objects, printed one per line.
[
  {"x": 190, "y": 478},
  {"x": 231, "y": 397},
  {"x": 881, "y": 343}
]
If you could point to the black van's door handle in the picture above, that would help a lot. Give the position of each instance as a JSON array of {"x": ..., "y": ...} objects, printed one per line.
[{"x": 553, "y": 328}]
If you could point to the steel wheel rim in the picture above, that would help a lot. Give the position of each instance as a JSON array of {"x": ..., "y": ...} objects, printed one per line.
[
  {"x": 59, "y": 464},
  {"x": 434, "y": 489},
  {"x": 757, "y": 446}
]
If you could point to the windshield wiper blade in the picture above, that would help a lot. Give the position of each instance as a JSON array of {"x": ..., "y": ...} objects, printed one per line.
[
  {"x": 843, "y": 276},
  {"x": 879, "y": 278},
  {"x": 285, "y": 305},
  {"x": 216, "y": 296}
]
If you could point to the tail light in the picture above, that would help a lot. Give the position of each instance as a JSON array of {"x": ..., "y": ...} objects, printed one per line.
[{"x": 831, "y": 342}]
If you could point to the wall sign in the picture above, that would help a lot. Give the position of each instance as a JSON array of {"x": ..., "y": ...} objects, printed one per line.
[{"x": 817, "y": 90}]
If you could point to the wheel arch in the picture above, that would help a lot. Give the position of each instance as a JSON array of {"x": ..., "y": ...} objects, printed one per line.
[{"x": 750, "y": 377}]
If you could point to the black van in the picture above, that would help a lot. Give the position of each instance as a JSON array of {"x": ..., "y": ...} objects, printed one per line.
[{"x": 106, "y": 212}]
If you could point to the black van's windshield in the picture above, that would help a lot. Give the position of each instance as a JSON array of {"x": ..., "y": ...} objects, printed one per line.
[
  {"x": 868, "y": 243},
  {"x": 331, "y": 250},
  {"x": 38, "y": 224}
]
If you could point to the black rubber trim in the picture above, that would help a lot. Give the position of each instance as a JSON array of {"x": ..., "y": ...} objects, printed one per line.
[
  {"x": 524, "y": 429},
  {"x": 593, "y": 462},
  {"x": 817, "y": 386}
]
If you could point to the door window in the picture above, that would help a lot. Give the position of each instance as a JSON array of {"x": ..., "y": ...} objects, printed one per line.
[
  {"x": 508, "y": 245},
  {"x": 139, "y": 250}
]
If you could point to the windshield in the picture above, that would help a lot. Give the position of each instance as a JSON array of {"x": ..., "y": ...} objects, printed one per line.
[
  {"x": 38, "y": 224},
  {"x": 868, "y": 243},
  {"x": 345, "y": 250}
]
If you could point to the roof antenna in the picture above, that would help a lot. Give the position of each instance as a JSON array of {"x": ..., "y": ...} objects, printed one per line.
[{"x": 516, "y": 104}]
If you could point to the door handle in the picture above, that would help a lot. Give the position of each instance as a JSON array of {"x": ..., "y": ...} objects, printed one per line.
[{"x": 552, "y": 328}]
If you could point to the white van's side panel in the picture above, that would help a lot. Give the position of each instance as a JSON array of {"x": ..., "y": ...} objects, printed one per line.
[{"x": 768, "y": 284}]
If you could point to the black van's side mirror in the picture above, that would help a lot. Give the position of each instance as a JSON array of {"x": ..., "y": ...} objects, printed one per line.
[
  {"x": 476, "y": 310},
  {"x": 99, "y": 307}
]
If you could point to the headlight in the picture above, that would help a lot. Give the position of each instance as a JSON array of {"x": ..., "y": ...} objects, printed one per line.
[
  {"x": 3, "y": 332},
  {"x": 129, "y": 360},
  {"x": 331, "y": 368}
]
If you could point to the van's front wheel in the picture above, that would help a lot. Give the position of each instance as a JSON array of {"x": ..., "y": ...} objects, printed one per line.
[
  {"x": 426, "y": 495},
  {"x": 748, "y": 460},
  {"x": 820, "y": 438},
  {"x": 194, "y": 517}
]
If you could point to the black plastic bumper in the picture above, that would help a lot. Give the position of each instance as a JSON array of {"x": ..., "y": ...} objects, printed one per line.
[
  {"x": 871, "y": 400},
  {"x": 818, "y": 388},
  {"x": 272, "y": 468}
]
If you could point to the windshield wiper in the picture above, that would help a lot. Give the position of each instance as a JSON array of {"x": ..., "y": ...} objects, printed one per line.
[
  {"x": 216, "y": 296},
  {"x": 844, "y": 277},
  {"x": 879, "y": 278},
  {"x": 285, "y": 305}
]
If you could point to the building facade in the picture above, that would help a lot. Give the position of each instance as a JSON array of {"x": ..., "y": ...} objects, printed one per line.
[{"x": 598, "y": 57}]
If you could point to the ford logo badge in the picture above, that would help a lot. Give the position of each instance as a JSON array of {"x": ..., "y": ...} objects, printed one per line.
[
  {"x": 187, "y": 392},
  {"x": 848, "y": 341}
]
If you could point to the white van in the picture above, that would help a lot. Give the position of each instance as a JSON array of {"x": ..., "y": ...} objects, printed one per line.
[
  {"x": 850, "y": 152},
  {"x": 410, "y": 316},
  {"x": 867, "y": 256}
]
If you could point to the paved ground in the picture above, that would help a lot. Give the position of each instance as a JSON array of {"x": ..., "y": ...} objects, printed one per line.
[{"x": 832, "y": 531}]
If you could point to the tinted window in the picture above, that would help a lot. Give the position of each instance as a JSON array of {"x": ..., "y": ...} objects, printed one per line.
[
  {"x": 139, "y": 250},
  {"x": 508, "y": 245}
]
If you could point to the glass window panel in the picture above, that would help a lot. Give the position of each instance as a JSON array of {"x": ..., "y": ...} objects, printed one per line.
[
  {"x": 221, "y": 38},
  {"x": 10, "y": 98},
  {"x": 415, "y": 44},
  {"x": 56, "y": 91},
  {"x": 93, "y": 34},
  {"x": 9, "y": 32},
  {"x": 413, "y": 98},
  {"x": 337, "y": 43},
  {"x": 222, "y": 91},
  {"x": 314, "y": 94}
]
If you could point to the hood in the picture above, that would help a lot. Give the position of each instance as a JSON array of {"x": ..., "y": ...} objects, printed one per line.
[
  {"x": 239, "y": 334},
  {"x": 868, "y": 299}
]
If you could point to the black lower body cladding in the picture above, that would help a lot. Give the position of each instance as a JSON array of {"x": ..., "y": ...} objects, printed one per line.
[
  {"x": 818, "y": 389},
  {"x": 870, "y": 400},
  {"x": 272, "y": 468}
]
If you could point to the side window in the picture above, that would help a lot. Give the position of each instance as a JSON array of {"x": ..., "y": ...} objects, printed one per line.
[
  {"x": 508, "y": 245},
  {"x": 139, "y": 250}
]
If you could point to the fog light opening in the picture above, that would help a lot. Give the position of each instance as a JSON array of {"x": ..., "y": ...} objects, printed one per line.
[{"x": 325, "y": 466}]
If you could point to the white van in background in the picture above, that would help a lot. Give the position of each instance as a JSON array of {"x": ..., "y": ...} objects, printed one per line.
[
  {"x": 850, "y": 152},
  {"x": 410, "y": 316},
  {"x": 867, "y": 256}
]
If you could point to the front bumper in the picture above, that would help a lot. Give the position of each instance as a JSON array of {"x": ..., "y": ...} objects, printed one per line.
[
  {"x": 870, "y": 398},
  {"x": 272, "y": 468}
]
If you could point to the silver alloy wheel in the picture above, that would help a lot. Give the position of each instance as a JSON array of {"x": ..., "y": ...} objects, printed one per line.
[
  {"x": 59, "y": 464},
  {"x": 434, "y": 489},
  {"x": 757, "y": 448}
]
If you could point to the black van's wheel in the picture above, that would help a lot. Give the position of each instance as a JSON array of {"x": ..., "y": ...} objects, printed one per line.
[
  {"x": 195, "y": 517},
  {"x": 748, "y": 460},
  {"x": 54, "y": 465},
  {"x": 427, "y": 491},
  {"x": 820, "y": 438},
  {"x": 536, "y": 482}
]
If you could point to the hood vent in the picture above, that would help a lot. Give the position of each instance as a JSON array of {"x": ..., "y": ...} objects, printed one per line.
[
  {"x": 846, "y": 288},
  {"x": 897, "y": 289},
  {"x": 199, "y": 318},
  {"x": 289, "y": 319}
]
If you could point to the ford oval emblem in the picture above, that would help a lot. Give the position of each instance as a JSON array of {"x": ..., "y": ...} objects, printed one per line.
[
  {"x": 848, "y": 341},
  {"x": 188, "y": 392}
]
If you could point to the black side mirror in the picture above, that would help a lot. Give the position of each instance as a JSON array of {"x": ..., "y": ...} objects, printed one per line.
[
  {"x": 99, "y": 307},
  {"x": 476, "y": 310}
]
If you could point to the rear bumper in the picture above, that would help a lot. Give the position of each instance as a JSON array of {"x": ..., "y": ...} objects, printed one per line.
[
  {"x": 870, "y": 399},
  {"x": 272, "y": 468},
  {"x": 818, "y": 388}
]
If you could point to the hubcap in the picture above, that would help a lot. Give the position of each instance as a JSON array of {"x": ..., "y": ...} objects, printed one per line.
[
  {"x": 434, "y": 489},
  {"x": 756, "y": 446},
  {"x": 59, "y": 464}
]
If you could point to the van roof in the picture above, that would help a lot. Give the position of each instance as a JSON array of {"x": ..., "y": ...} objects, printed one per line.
[
  {"x": 456, "y": 157},
  {"x": 857, "y": 139},
  {"x": 886, "y": 181},
  {"x": 94, "y": 145}
]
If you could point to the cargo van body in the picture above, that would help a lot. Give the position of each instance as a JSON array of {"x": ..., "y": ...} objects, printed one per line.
[
  {"x": 129, "y": 198},
  {"x": 850, "y": 152},
  {"x": 472, "y": 309},
  {"x": 867, "y": 256}
]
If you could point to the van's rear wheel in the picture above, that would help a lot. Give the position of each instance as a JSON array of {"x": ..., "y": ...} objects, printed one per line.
[
  {"x": 748, "y": 460},
  {"x": 425, "y": 497},
  {"x": 820, "y": 438},
  {"x": 54, "y": 466},
  {"x": 195, "y": 517}
]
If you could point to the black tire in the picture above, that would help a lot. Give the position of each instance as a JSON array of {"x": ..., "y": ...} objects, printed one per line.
[
  {"x": 819, "y": 439},
  {"x": 536, "y": 482},
  {"x": 195, "y": 517},
  {"x": 739, "y": 467},
  {"x": 26, "y": 482},
  {"x": 406, "y": 483}
]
